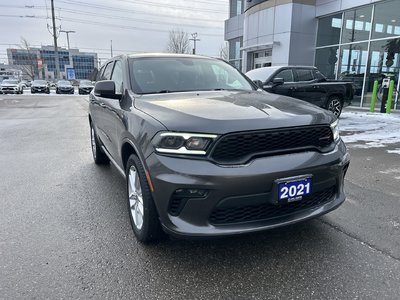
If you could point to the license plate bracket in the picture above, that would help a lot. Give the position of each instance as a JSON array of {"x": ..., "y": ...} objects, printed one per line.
[{"x": 293, "y": 189}]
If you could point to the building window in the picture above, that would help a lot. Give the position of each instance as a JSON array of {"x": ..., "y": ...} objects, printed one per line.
[
  {"x": 386, "y": 20},
  {"x": 357, "y": 25},
  {"x": 326, "y": 60},
  {"x": 235, "y": 54},
  {"x": 236, "y": 7},
  {"x": 329, "y": 30}
]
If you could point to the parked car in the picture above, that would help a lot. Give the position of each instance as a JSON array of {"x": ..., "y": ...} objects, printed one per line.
[
  {"x": 26, "y": 83},
  {"x": 206, "y": 153},
  {"x": 85, "y": 87},
  {"x": 40, "y": 86},
  {"x": 64, "y": 87},
  {"x": 11, "y": 86},
  {"x": 305, "y": 83}
]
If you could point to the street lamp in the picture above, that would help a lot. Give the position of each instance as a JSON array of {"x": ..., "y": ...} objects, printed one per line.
[{"x": 67, "y": 32}]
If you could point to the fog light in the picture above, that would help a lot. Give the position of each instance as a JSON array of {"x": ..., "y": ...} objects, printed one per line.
[{"x": 190, "y": 193}]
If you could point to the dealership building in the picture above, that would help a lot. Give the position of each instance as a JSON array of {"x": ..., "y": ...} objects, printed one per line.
[
  {"x": 352, "y": 40},
  {"x": 41, "y": 62}
]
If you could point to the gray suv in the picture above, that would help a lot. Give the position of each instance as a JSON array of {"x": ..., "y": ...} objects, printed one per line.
[{"x": 206, "y": 153}]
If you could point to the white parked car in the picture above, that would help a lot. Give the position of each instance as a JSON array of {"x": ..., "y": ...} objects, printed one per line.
[{"x": 11, "y": 86}]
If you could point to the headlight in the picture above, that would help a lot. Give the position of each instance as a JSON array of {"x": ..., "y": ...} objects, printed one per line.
[
  {"x": 335, "y": 130},
  {"x": 183, "y": 143}
]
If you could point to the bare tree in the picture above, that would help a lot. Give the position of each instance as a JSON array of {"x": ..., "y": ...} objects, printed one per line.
[
  {"x": 224, "y": 52},
  {"x": 178, "y": 42},
  {"x": 30, "y": 64}
]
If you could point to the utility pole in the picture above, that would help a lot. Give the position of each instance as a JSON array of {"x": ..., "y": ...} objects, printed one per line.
[
  {"x": 111, "y": 50},
  {"x": 194, "y": 39},
  {"x": 57, "y": 74},
  {"x": 67, "y": 32}
]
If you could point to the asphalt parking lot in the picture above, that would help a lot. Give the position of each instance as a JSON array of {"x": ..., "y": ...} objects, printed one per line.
[{"x": 65, "y": 232}]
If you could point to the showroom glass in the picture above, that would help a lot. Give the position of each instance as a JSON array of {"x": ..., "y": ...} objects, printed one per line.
[
  {"x": 178, "y": 74},
  {"x": 326, "y": 60},
  {"x": 352, "y": 67},
  {"x": 329, "y": 30},
  {"x": 386, "y": 20},
  {"x": 384, "y": 61},
  {"x": 357, "y": 25}
]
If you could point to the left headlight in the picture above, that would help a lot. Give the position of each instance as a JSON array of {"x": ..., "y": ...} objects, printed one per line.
[
  {"x": 335, "y": 130},
  {"x": 183, "y": 143}
]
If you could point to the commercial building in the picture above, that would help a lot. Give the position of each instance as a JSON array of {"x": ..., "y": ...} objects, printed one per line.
[
  {"x": 40, "y": 62},
  {"x": 353, "y": 40}
]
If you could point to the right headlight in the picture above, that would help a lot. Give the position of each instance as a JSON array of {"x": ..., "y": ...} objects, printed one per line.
[
  {"x": 335, "y": 130},
  {"x": 183, "y": 143}
]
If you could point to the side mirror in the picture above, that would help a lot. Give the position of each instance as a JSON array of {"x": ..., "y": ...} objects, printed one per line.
[
  {"x": 278, "y": 81},
  {"x": 258, "y": 83},
  {"x": 106, "y": 89}
]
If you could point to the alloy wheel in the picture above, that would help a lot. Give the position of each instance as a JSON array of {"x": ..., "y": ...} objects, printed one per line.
[
  {"x": 135, "y": 198},
  {"x": 335, "y": 106}
]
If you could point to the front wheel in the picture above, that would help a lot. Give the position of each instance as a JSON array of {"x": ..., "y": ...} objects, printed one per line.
[
  {"x": 99, "y": 157},
  {"x": 335, "y": 105},
  {"x": 142, "y": 211}
]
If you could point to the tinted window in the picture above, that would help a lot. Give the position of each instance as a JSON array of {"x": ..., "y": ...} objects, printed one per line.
[
  {"x": 180, "y": 74},
  {"x": 304, "y": 75},
  {"x": 117, "y": 77},
  {"x": 107, "y": 72},
  {"x": 287, "y": 75}
]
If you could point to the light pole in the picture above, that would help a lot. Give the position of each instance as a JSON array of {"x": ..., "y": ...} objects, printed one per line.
[
  {"x": 194, "y": 39},
  {"x": 67, "y": 32},
  {"x": 57, "y": 74}
]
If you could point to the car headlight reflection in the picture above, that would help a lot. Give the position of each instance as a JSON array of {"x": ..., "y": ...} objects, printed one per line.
[
  {"x": 183, "y": 143},
  {"x": 335, "y": 130}
]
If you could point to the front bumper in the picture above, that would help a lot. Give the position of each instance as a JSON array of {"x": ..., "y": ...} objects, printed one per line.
[
  {"x": 40, "y": 90},
  {"x": 246, "y": 185},
  {"x": 9, "y": 90},
  {"x": 65, "y": 91},
  {"x": 85, "y": 90}
]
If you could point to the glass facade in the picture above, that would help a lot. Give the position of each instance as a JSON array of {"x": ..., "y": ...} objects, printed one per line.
[
  {"x": 236, "y": 7},
  {"x": 83, "y": 65},
  {"x": 49, "y": 57},
  {"x": 235, "y": 54},
  {"x": 361, "y": 45}
]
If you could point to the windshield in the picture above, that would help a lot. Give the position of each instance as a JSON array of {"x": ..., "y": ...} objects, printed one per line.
[
  {"x": 64, "y": 82},
  {"x": 39, "y": 82},
  {"x": 180, "y": 74},
  {"x": 85, "y": 82},
  {"x": 8, "y": 81}
]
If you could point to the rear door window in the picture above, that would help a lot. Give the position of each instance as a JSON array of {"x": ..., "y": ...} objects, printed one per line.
[{"x": 304, "y": 75}]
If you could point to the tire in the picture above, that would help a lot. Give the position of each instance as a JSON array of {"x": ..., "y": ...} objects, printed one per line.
[
  {"x": 142, "y": 210},
  {"x": 22, "y": 91},
  {"x": 99, "y": 157},
  {"x": 335, "y": 105}
]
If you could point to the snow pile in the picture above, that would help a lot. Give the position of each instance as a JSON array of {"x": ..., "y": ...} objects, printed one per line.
[{"x": 370, "y": 130}]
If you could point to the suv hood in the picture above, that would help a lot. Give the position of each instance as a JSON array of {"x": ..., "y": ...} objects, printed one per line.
[
  {"x": 221, "y": 112},
  {"x": 9, "y": 85}
]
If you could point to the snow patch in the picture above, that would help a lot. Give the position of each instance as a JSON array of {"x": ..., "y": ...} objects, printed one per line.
[
  {"x": 396, "y": 151},
  {"x": 370, "y": 130}
]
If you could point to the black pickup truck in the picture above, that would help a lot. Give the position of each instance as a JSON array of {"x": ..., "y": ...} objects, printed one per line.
[{"x": 305, "y": 83}]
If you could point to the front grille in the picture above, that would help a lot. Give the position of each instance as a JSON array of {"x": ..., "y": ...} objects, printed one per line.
[
  {"x": 240, "y": 147},
  {"x": 268, "y": 211}
]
